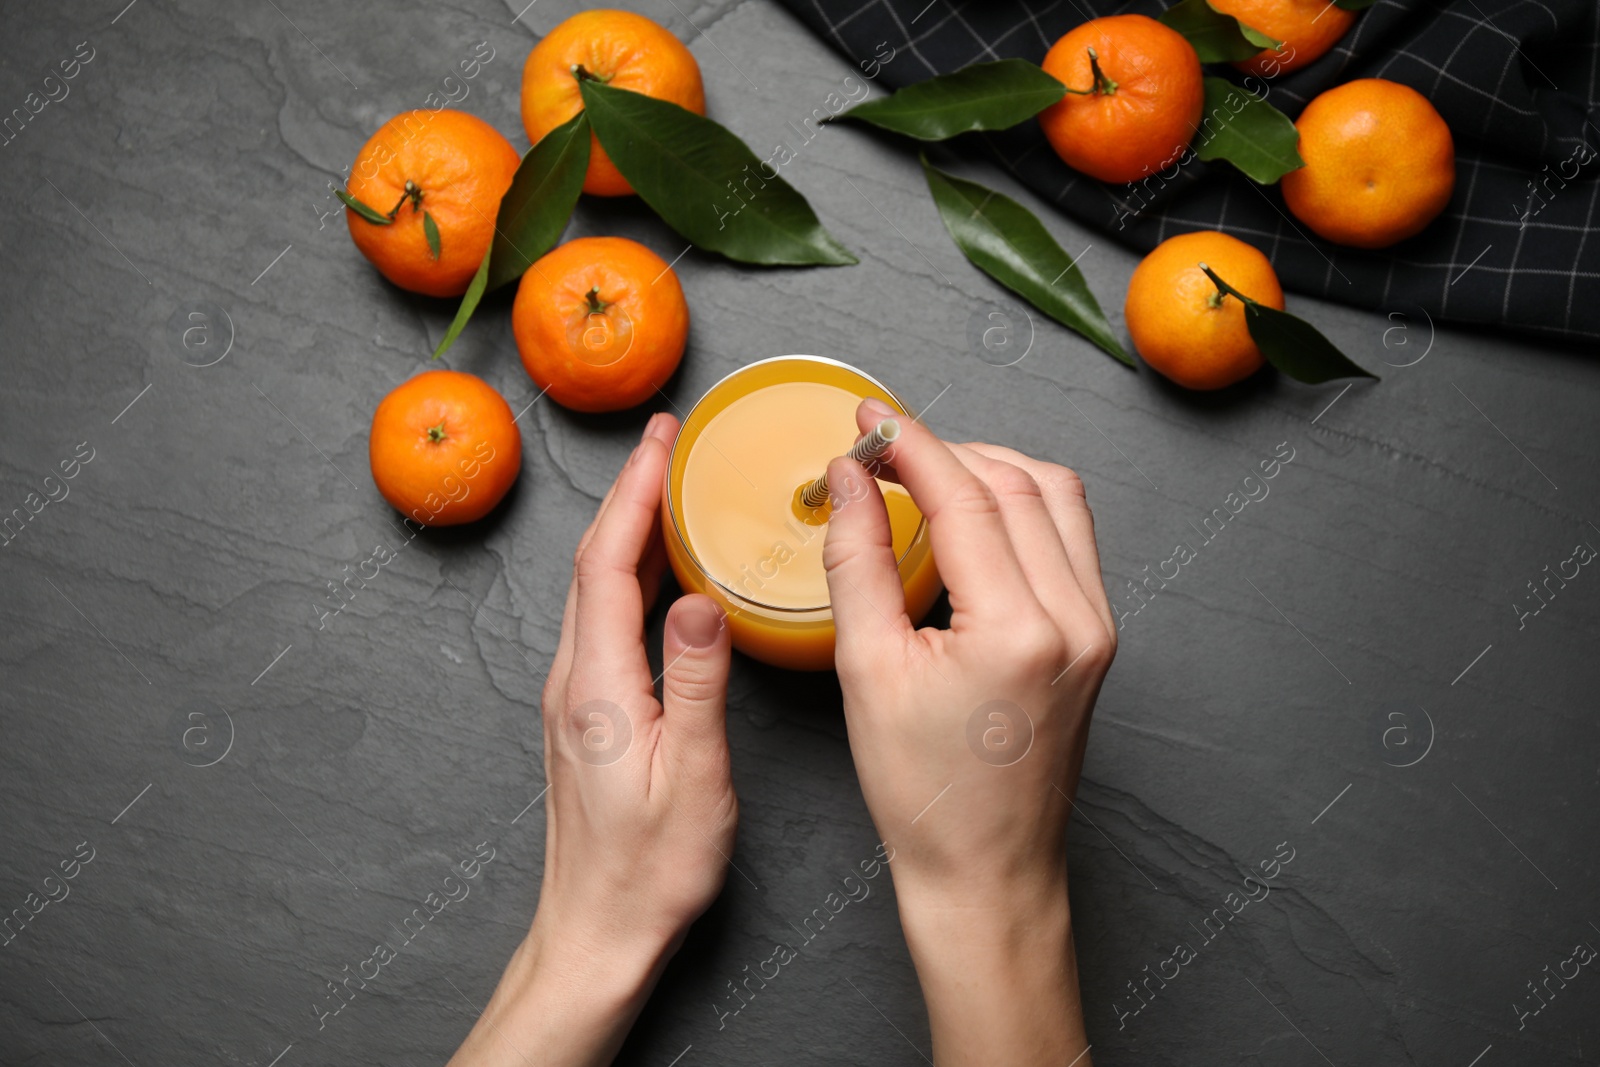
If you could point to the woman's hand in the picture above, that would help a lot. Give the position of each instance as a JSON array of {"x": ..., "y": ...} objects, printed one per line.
[
  {"x": 640, "y": 809},
  {"x": 969, "y": 741}
]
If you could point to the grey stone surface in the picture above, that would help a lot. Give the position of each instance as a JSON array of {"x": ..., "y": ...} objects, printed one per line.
[{"x": 175, "y": 588}]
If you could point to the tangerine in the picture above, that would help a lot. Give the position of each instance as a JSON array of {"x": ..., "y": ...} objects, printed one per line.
[
  {"x": 1142, "y": 102},
  {"x": 446, "y": 165},
  {"x": 1307, "y": 28},
  {"x": 1380, "y": 164},
  {"x": 1182, "y": 324},
  {"x": 601, "y": 323},
  {"x": 619, "y": 48},
  {"x": 444, "y": 448}
]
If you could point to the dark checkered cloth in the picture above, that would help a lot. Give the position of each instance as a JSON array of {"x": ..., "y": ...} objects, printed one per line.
[{"x": 1515, "y": 79}]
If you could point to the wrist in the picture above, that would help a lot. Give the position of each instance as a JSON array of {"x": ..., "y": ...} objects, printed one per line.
[
  {"x": 568, "y": 996},
  {"x": 998, "y": 970},
  {"x": 612, "y": 968},
  {"x": 985, "y": 923}
]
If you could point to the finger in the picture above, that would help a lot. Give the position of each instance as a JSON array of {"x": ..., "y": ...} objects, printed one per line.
[
  {"x": 1038, "y": 542},
  {"x": 664, "y": 427},
  {"x": 1069, "y": 509},
  {"x": 609, "y": 616},
  {"x": 697, "y": 648},
  {"x": 561, "y": 662},
  {"x": 652, "y": 568},
  {"x": 970, "y": 544},
  {"x": 552, "y": 696},
  {"x": 868, "y": 415},
  {"x": 864, "y": 587}
]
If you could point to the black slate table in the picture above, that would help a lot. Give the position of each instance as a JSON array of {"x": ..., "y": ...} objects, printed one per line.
[{"x": 1355, "y": 672}]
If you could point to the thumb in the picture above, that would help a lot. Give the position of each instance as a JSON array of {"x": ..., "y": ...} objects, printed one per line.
[
  {"x": 694, "y": 691},
  {"x": 863, "y": 577}
]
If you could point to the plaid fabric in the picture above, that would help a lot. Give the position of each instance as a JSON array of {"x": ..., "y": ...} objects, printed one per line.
[{"x": 1515, "y": 79}]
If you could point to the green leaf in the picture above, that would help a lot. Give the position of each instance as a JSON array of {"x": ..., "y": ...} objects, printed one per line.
[
  {"x": 377, "y": 218},
  {"x": 1298, "y": 348},
  {"x": 469, "y": 304},
  {"x": 431, "y": 228},
  {"x": 1291, "y": 344},
  {"x": 1217, "y": 37},
  {"x": 1248, "y": 132},
  {"x": 540, "y": 200},
  {"x": 984, "y": 96},
  {"x": 1007, "y": 242},
  {"x": 705, "y": 183},
  {"x": 531, "y": 215},
  {"x": 1354, "y": 5},
  {"x": 1256, "y": 37}
]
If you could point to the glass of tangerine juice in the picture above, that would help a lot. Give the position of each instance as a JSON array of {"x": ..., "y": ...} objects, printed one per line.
[{"x": 733, "y": 526}]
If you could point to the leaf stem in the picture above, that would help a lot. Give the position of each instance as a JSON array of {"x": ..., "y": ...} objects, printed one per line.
[
  {"x": 596, "y": 305},
  {"x": 1102, "y": 85},
  {"x": 582, "y": 73},
  {"x": 413, "y": 194},
  {"x": 1224, "y": 288}
]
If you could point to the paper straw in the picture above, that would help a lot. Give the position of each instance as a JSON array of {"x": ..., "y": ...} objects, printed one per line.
[{"x": 867, "y": 449}]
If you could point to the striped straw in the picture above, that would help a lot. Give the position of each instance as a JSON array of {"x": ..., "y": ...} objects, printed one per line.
[{"x": 867, "y": 449}]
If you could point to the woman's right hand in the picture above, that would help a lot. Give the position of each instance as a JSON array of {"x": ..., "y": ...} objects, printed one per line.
[{"x": 969, "y": 741}]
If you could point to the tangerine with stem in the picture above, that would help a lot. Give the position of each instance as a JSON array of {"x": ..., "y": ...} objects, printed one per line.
[
  {"x": 623, "y": 50},
  {"x": 1184, "y": 324},
  {"x": 1134, "y": 97},
  {"x": 444, "y": 448},
  {"x": 600, "y": 323},
  {"x": 445, "y": 170}
]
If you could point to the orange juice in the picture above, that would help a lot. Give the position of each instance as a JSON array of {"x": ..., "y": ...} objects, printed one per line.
[{"x": 729, "y": 514}]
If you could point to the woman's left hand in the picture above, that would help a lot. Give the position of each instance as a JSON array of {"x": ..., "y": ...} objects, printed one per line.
[{"x": 640, "y": 808}]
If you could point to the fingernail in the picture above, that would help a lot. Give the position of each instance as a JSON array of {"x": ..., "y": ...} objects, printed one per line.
[
  {"x": 649, "y": 427},
  {"x": 697, "y": 624},
  {"x": 878, "y": 407}
]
